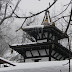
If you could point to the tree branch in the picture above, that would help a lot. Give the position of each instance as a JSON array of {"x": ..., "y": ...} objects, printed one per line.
[
  {"x": 15, "y": 7},
  {"x": 68, "y": 23},
  {"x": 61, "y": 18},
  {"x": 5, "y": 10},
  {"x": 4, "y": 18},
  {"x": 65, "y": 20},
  {"x": 63, "y": 10},
  {"x": 22, "y": 24},
  {"x": 38, "y": 12}
]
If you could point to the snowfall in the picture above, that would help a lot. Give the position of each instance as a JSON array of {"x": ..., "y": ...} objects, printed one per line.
[{"x": 47, "y": 66}]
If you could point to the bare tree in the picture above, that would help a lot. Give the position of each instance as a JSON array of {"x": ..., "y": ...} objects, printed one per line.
[{"x": 5, "y": 15}]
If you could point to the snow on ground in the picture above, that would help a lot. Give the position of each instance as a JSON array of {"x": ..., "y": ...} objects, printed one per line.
[{"x": 52, "y": 66}]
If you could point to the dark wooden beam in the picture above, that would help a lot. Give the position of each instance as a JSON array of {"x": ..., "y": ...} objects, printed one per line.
[
  {"x": 54, "y": 54},
  {"x": 31, "y": 53},
  {"x": 48, "y": 36},
  {"x": 46, "y": 51},
  {"x": 24, "y": 57},
  {"x": 60, "y": 58},
  {"x": 39, "y": 36},
  {"x": 36, "y": 60},
  {"x": 50, "y": 51},
  {"x": 42, "y": 34},
  {"x": 54, "y": 57},
  {"x": 39, "y": 53},
  {"x": 64, "y": 58},
  {"x": 57, "y": 55}
]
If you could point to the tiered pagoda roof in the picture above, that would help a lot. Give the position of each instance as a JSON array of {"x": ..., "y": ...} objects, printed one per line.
[
  {"x": 57, "y": 50},
  {"x": 36, "y": 29},
  {"x": 50, "y": 47}
]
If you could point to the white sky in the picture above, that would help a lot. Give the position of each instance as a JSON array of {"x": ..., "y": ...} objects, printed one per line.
[{"x": 35, "y": 5}]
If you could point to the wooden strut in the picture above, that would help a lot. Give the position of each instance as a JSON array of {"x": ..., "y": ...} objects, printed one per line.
[
  {"x": 24, "y": 55},
  {"x": 69, "y": 54},
  {"x": 50, "y": 51}
]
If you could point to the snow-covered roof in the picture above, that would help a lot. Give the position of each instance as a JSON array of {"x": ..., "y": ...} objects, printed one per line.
[
  {"x": 43, "y": 28},
  {"x": 2, "y": 60},
  {"x": 34, "y": 26},
  {"x": 23, "y": 44},
  {"x": 49, "y": 66}
]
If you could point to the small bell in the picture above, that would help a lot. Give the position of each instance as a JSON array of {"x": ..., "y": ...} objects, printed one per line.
[{"x": 12, "y": 51}]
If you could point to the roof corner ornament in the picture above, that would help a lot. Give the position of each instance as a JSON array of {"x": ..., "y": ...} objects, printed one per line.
[{"x": 47, "y": 19}]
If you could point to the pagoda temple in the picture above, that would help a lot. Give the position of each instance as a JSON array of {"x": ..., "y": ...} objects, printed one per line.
[{"x": 44, "y": 42}]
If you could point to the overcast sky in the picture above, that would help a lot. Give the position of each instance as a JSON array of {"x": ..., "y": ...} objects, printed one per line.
[{"x": 36, "y": 5}]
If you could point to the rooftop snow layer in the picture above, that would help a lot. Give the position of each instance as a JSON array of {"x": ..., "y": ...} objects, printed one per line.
[
  {"x": 23, "y": 44},
  {"x": 35, "y": 26}
]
